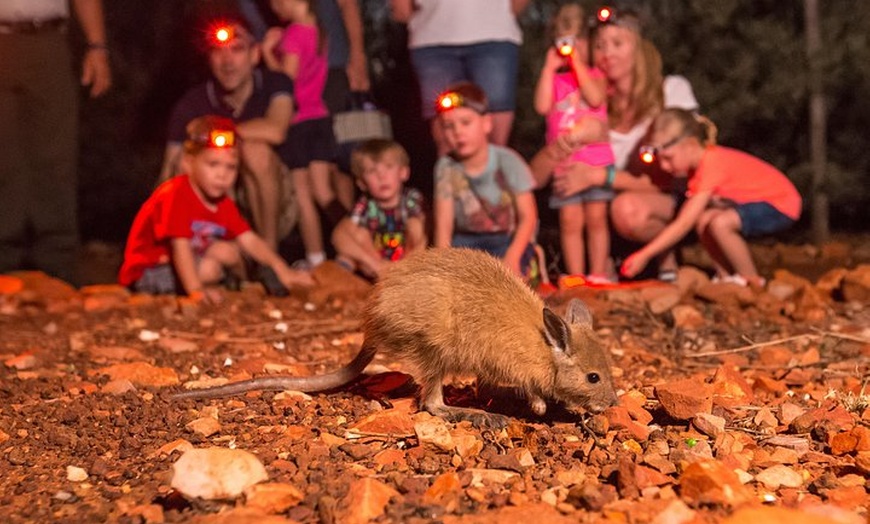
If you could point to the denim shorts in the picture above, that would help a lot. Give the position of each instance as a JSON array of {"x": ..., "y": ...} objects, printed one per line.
[
  {"x": 761, "y": 218},
  {"x": 496, "y": 244},
  {"x": 593, "y": 194},
  {"x": 159, "y": 280},
  {"x": 491, "y": 65}
]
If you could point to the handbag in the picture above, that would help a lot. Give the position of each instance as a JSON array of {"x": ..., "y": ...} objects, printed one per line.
[{"x": 361, "y": 121}]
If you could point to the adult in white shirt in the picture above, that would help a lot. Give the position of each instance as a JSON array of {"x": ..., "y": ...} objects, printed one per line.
[
  {"x": 471, "y": 40},
  {"x": 647, "y": 198}
]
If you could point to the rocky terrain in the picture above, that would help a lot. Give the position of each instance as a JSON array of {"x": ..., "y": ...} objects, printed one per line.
[{"x": 736, "y": 405}]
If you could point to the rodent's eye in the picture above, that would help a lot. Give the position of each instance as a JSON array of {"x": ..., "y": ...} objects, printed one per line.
[{"x": 593, "y": 378}]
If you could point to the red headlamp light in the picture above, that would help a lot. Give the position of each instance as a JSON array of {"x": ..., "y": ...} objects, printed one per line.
[
  {"x": 452, "y": 100},
  {"x": 647, "y": 154},
  {"x": 609, "y": 15}
]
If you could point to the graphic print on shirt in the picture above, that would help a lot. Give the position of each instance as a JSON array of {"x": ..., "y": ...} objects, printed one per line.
[{"x": 204, "y": 235}]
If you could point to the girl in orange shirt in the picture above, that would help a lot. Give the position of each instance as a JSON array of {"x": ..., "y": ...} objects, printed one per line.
[{"x": 731, "y": 196}]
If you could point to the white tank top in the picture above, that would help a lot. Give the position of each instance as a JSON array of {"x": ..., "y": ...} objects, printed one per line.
[
  {"x": 461, "y": 22},
  {"x": 32, "y": 10}
]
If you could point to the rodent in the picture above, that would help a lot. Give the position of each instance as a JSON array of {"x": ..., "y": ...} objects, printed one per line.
[{"x": 459, "y": 311}]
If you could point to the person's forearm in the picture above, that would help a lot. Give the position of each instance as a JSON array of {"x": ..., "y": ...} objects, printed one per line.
[
  {"x": 89, "y": 13},
  {"x": 185, "y": 266},
  {"x": 401, "y": 10},
  {"x": 415, "y": 229},
  {"x": 544, "y": 163},
  {"x": 262, "y": 129},
  {"x": 518, "y": 6}
]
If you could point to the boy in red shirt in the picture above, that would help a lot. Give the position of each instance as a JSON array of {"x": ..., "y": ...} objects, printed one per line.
[{"x": 189, "y": 233}]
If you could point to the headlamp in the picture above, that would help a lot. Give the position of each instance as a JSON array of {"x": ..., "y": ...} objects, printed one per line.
[
  {"x": 609, "y": 15},
  {"x": 452, "y": 100},
  {"x": 215, "y": 139},
  {"x": 648, "y": 153},
  {"x": 565, "y": 45}
]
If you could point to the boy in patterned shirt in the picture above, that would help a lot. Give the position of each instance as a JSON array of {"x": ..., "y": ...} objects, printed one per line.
[{"x": 388, "y": 220}]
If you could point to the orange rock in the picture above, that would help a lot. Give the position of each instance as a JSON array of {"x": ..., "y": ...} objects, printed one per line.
[
  {"x": 683, "y": 399},
  {"x": 366, "y": 499},
  {"x": 275, "y": 497},
  {"x": 142, "y": 374},
  {"x": 775, "y": 515},
  {"x": 730, "y": 388},
  {"x": 711, "y": 482},
  {"x": 10, "y": 285},
  {"x": 444, "y": 491}
]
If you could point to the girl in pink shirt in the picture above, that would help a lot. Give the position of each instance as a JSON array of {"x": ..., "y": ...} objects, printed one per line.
[
  {"x": 572, "y": 96},
  {"x": 731, "y": 195},
  {"x": 299, "y": 51}
]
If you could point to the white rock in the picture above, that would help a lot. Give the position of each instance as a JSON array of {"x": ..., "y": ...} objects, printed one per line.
[
  {"x": 76, "y": 474},
  {"x": 216, "y": 473}
]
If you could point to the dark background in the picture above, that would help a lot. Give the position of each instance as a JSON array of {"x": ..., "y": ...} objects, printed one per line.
[{"x": 746, "y": 60}]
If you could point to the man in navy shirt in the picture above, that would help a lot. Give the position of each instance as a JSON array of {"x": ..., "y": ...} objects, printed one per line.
[{"x": 261, "y": 104}]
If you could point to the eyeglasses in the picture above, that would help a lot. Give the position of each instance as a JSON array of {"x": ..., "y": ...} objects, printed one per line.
[
  {"x": 453, "y": 100},
  {"x": 649, "y": 153},
  {"x": 609, "y": 15}
]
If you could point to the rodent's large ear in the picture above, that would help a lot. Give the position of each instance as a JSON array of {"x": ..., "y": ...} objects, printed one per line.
[
  {"x": 556, "y": 330},
  {"x": 578, "y": 313}
]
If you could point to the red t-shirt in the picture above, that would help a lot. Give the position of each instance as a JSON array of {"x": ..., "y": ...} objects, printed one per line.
[
  {"x": 743, "y": 178},
  {"x": 175, "y": 211}
]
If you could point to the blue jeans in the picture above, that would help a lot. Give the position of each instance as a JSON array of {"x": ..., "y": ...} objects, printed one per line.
[
  {"x": 496, "y": 244},
  {"x": 761, "y": 218},
  {"x": 491, "y": 65}
]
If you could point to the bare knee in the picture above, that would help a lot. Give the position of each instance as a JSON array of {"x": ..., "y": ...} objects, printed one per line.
[
  {"x": 628, "y": 213},
  {"x": 259, "y": 158}
]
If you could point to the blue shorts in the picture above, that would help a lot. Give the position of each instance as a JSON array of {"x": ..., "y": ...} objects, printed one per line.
[
  {"x": 496, "y": 244},
  {"x": 761, "y": 218},
  {"x": 593, "y": 194},
  {"x": 491, "y": 65}
]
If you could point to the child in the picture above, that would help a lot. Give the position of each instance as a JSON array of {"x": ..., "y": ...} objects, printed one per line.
[
  {"x": 299, "y": 51},
  {"x": 572, "y": 96},
  {"x": 483, "y": 192},
  {"x": 731, "y": 195},
  {"x": 388, "y": 219},
  {"x": 189, "y": 233}
]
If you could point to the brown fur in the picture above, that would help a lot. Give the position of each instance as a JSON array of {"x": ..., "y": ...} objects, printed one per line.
[{"x": 459, "y": 311}]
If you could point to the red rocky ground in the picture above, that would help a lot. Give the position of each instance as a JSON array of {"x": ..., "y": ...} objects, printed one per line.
[{"x": 737, "y": 405}]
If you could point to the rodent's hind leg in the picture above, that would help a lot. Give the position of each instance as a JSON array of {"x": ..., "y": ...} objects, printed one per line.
[
  {"x": 477, "y": 417},
  {"x": 432, "y": 400}
]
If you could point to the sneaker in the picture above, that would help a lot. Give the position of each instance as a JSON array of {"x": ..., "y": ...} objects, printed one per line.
[
  {"x": 668, "y": 275},
  {"x": 598, "y": 280},
  {"x": 301, "y": 265},
  {"x": 730, "y": 279}
]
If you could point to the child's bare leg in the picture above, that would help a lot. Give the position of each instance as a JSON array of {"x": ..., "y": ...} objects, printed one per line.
[
  {"x": 571, "y": 222},
  {"x": 721, "y": 265},
  {"x": 309, "y": 219},
  {"x": 220, "y": 257},
  {"x": 354, "y": 243},
  {"x": 502, "y": 121},
  {"x": 724, "y": 227},
  {"x": 343, "y": 185},
  {"x": 261, "y": 162},
  {"x": 597, "y": 236}
]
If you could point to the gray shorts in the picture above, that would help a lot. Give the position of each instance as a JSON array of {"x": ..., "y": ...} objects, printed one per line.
[{"x": 159, "y": 280}]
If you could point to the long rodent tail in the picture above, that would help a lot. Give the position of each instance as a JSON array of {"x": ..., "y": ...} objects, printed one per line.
[{"x": 332, "y": 380}]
